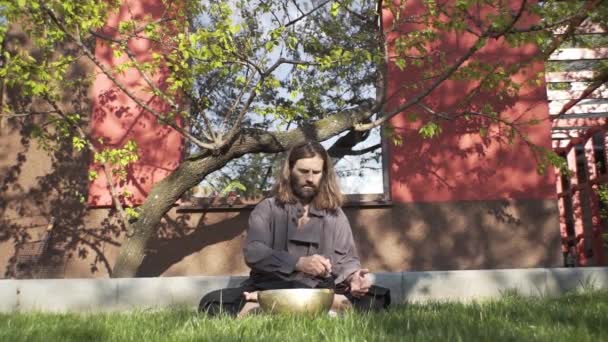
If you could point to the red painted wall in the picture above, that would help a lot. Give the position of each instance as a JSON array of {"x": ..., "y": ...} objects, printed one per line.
[
  {"x": 460, "y": 164},
  {"x": 457, "y": 165},
  {"x": 117, "y": 119}
]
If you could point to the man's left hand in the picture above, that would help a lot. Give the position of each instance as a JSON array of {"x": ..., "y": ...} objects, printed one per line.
[{"x": 360, "y": 283}]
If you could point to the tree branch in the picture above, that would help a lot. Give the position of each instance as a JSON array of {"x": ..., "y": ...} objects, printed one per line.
[
  {"x": 163, "y": 19},
  {"x": 237, "y": 101},
  {"x": 359, "y": 152},
  {"x": 155, "y": 90},
  {"x": 514, "y": 19},
  {"x": 22, "y": 114},
  {"x": 514, "y": 127},
  {"x": 118, "y": 84},
  {"x": 583, "y": 14},
  {"x": 355, "y": 14},
  {"x": 416, "y": 99},
  {"x": 161, "y": 93},
  {"x": 199, "y": 108},
  {"x": 123, "y": 215},
  {"x": 294, "y": 21},
  {"x": 598, "y": 81},
  {"x": 252, "y": 95}
]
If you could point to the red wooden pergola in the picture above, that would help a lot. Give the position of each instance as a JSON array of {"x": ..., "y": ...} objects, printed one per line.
[{"x": 579, "y": 125}]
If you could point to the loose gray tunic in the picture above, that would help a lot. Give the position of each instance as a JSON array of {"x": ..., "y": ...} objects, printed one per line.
[{"x": 274, "y": 242}]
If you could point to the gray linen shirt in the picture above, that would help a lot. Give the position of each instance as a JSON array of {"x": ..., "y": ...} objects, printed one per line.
[{"x": 274, "y": 242}]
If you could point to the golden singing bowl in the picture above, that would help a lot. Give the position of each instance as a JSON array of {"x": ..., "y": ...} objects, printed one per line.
[{"x": 296, "y": 300}]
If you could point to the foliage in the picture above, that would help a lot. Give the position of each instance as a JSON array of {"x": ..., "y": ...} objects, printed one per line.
[
  {"x": 262, "y": 64},
  {"x": 249, "y": 176},
  {"x": 602, "y": 193},
  {"x": 117, "y": 158}
]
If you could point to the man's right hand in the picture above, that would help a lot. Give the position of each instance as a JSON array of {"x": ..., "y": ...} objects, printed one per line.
[{"x": 316, "y": 265}]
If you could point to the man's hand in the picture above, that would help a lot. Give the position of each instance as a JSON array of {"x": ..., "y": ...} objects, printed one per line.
[
  {"x": 316, "y": 265},
  {"x": 360, "y": 283}
]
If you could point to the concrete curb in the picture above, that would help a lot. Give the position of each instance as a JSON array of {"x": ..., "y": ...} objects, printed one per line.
[{"x": 93, "y": 295}]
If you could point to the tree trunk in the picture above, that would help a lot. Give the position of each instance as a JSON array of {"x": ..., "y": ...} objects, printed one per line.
[{"x": 160, "y": 200}]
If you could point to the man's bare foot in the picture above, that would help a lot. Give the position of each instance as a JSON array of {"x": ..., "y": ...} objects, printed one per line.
[
  {"x": 251, "y": 306},
  {"x": 248, "y": 308},
  {"x": 340, "y": 303}
]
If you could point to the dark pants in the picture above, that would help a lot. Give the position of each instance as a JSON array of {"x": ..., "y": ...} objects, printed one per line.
[{"x": 230, "y": 301}]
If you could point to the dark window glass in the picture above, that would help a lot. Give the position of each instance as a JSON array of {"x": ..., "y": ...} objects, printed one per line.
[
  {"x": 599, "y": 152},
  {"x": 581, "y": 164},
  {"x": 569, "y": 214},
  {"x": 565, "y": 179}
]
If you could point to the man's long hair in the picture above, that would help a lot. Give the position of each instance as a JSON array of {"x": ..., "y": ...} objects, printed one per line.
[{"x": 328, "y": 195}]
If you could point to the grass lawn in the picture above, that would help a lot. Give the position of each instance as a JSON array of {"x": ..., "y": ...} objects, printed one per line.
[{"x": 573, "y": 317}]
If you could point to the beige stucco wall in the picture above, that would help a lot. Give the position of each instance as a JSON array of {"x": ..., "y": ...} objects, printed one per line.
[{"x": 428, "y": 236}]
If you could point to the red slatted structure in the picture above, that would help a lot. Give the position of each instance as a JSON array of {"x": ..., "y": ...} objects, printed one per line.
[{"x": 578, "y": 105}]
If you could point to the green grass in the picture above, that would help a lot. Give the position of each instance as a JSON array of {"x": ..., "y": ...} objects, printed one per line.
[{"x": 572, "y": 317}]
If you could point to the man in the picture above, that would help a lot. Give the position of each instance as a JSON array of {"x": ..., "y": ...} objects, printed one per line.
[{"x": 300, "y": 238}]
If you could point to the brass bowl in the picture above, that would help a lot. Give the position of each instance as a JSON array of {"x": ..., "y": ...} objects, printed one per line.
[{"x": 295, "y": 301}]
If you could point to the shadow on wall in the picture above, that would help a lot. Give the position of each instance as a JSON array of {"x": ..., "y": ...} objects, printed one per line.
[
  {"x": 188, "y": 234},
  {"x": 458, "y": 235},
  {"x": 44, "y": 181},
  {"x": 471, "y": 159},
  {"x": 117, "y": 119},
  {"x": 36, "y": 188},
  {"x": 462, "y": 165},
  {"x": 471, "y": 197}
]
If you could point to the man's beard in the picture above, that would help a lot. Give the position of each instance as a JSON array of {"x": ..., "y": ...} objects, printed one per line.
[{"x": 304, "y": 192}]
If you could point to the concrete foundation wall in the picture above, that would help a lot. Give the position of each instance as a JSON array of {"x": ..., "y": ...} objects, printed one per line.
[{"x": 94, "y": 295}]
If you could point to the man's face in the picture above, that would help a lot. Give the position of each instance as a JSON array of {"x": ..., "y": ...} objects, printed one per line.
[{"x": 306, "y": 176}]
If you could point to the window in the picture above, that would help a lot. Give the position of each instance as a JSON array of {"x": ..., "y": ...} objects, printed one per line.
[{"x": 363, "y": 177}]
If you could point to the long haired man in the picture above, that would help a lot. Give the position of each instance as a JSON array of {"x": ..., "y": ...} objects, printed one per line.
[{"x": 300, "y": 238}]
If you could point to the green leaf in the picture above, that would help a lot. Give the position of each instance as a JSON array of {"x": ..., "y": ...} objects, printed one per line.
[
  {"x": 483, "y": 132},
  {"x": 292, "y": 42},
  {"x": 276, "y": 33},
  {"x": 397, "y": 140},
  {"x": 132, "y": 213},
  {"x": 429, "y": 130},
  {"x": 412, "y": 117},
  {"x": 93, "y": 175},
  {"x": 334, "y": 9},
  {"x": 400, "y": 63},
  {"x": 78, "y": 143},
  {"x": 235, "y": 184}
]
